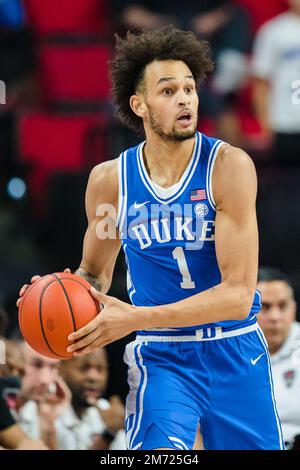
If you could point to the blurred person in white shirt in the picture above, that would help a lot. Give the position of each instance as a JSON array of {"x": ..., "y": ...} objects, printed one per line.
[
  {"x": 62, "y": 403},
  {"x": 276, "y": 89},
  {"x": 278, "y": 322},
  {"x": 90, "y": 422},
  {"x": 44, "y": 396}
]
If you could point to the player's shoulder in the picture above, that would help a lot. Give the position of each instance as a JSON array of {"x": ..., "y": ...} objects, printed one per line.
[
  {"x": 234, "y": 173},
  {"x": 233, "y": 161},
  {"x": 103, "y": 181},
  {"x": 105, "y": 171}
]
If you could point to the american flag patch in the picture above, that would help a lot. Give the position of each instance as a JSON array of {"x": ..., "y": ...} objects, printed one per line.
[{"x": 197, "y": 194}]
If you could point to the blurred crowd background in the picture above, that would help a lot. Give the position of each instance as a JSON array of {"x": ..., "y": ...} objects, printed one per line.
[{"x": 57, "y": 121}]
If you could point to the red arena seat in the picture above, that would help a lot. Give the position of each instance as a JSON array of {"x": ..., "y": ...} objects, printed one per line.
[
  {"x": 71, "y": 73},
  {"x": 263, "y": 11},
  {"x": 60, "y": 142},
  {"x": 68, "y": 16}
]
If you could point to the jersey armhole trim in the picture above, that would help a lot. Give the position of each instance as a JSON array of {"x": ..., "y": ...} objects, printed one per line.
[
  {"x": 122, "y": 192},
  {"x": 210, "y": 167}
]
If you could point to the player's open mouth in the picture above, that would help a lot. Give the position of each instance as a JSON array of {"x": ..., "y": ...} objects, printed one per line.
[{"x": 185, "y": 118}]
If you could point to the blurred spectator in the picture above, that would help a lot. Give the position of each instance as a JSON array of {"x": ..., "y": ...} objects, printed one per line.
[
  {"x": 17, "y": 57},
  {"x": 282, "y": 332},
  {"x": 11, "y": 434},
  {"x": 276, "y": 69},
  {"x": 64, "y": 419},
  {"x": 44, "y": 397},
  {"x": 3, "y": 321},
  {"x": 91, "y": 422},
  {"x": 17, "y": 72},
  {"x": 227, "y": 28},
  {"x": 14, "y": 361}
]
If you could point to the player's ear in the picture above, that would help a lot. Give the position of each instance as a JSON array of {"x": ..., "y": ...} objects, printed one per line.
[{"x": 138, "y": 105}]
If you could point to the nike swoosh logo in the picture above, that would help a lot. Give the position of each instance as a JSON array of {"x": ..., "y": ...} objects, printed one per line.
[
  {"x": 254, "y": 361},
  {"x": 137, "y": 206}
]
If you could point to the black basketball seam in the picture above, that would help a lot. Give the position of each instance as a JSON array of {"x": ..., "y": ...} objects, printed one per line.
[
  {"x": 78, "y": 282},
  {"x": 22, "y": 306},
  {"x": 41, "y": 321},
  {"x": 40, "y": 308},
  {"x": 68, "y": 300},
  {"x": 75, "y": 280}
]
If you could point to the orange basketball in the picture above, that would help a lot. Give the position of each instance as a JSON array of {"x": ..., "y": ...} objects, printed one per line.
[{"x": 52, "y": 308}]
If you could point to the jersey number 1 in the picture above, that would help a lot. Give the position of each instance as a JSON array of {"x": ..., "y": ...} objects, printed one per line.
[{"x": 187, "y": 282}]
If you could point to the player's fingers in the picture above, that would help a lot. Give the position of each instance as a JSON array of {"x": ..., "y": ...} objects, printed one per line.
[
  {"x": 86, "y": 341},
  {"x": 83, "y": 351},
  {"x": 35, "y": 278},
  {"x": 87, "y": 329},
  {"x": 67, "y": 270},
  {"x": 23, "y": 289},
  {"x": 102, "y": 298},
  {"x": 18, "y": 302},
  {"x": 100, "y": 342}
]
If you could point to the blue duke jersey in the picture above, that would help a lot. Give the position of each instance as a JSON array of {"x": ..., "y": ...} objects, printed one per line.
[{"x": 168, "y": 235}]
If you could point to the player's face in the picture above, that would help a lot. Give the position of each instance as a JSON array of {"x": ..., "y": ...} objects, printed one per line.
[
  {"x": 39, "y": 374},
  {"x": 278, "y": 312},
  {"x": 86, "y": 377},
  {"x": 171, "y": 100}
]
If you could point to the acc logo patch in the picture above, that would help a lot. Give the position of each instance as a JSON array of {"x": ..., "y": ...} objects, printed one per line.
[{"x": 201, "y": 209}]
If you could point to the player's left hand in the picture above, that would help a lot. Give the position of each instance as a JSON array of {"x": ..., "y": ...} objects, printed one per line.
[{"x": 116, "y": 320}]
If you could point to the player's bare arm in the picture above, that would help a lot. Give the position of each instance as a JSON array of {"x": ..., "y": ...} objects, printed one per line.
[
  {"x": 99, "y": 254},
  {"x": 100, "y": 251},
  {"x": 234, "y": 188}
]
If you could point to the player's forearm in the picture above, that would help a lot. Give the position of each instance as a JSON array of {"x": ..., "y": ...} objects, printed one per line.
[
  {"x": 95, "y": 280},
  {"x": 222, "y": 302}
]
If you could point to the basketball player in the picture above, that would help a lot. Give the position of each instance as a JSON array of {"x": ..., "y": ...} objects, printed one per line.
[{"x": 184, "y": 208}]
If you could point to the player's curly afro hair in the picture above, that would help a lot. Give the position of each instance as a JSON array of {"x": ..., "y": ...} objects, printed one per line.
[{"x": 135, "y": 52}]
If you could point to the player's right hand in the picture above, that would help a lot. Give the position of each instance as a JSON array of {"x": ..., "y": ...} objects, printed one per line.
[{"x": 33, "y": 280}]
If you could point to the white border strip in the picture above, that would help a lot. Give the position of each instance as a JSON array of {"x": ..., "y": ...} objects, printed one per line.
[
  {"x": 265, "y": 346},
  {"x": 130, "y": 289},
  {"x": 120, "y": 190},
  {"x": 124, "y": 201},
  {"x": 210, "y": 166},
  {"x": 196, "y": 157},
  {"x": 185, "y": 175},
  {"x": 165, "y": 339},
  {"x": 178, "y": 441},
  {"x": 141, "y": 398}
]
